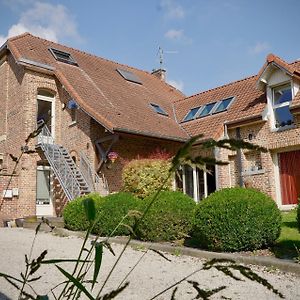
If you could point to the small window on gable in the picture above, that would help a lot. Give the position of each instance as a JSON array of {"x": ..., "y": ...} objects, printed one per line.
[
  {"x": 158, "y": 109},
  {"x": 63, "y": 56},
  {"x": 129, "y": 76},
  {"x": 206, "y": 110},
  {"x": 191, "y": 114},
  {"x": 282, "y": 97},
  {"x": 223, "y": 105}
]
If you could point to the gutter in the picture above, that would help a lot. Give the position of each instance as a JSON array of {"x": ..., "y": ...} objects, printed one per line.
[
  {"x": 28, "y": 62},
  {"x": 159, "y": 136},
  {"x": 244, "y": 121}
]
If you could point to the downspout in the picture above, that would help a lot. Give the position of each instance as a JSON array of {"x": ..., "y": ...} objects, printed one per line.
[{"x": 239, "y": 158}]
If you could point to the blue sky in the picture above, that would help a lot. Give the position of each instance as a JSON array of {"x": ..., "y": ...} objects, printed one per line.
[{"x": 206, "y": 43}]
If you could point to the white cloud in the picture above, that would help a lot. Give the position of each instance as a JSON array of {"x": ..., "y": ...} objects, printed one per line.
[
  {"x": 178, "y": 84},
  {"x": 174, "y": 34},
  {"x": 260, "y": 47},
  {"x": 52, "y": 22},
  {"x": 173, "y": 10}
]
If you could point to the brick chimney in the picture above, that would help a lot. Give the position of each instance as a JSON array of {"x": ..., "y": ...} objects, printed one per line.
[{"x": 160, "y": 73}]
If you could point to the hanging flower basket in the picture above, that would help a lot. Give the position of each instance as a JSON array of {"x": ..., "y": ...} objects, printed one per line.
[{"x": 112, "y": 156}]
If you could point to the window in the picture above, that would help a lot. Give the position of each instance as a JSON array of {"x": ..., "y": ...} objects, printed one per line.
[
  {"x": 191, "y": 114},
  {"x": 158, "y": 109},
  {"x": 206, "y": 110},
  {"x": 195, "y": 182},
  {"x": 129, "y": 76},
  {"x": 63, "y": 56},
  {"x": 282, "y": 97},
  {"x": 223, "y": 105}
]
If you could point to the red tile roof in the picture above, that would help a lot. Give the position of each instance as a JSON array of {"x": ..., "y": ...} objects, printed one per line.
[
  {"x": 120, "y": 105},
  {"x": 117, "y": 104},
  {"x": 248, "y": 101}
]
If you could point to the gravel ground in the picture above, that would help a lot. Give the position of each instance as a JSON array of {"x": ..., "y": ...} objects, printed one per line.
[{"x": 152, "y": 275}]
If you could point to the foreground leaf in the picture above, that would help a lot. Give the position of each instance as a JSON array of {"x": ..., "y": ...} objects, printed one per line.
[
  {"x": 98, "y": 260},
  {"x": 76, "y": 282}
]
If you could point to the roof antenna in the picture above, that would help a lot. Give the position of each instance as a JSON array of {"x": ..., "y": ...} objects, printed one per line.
[
  {"x": 161, "y": 56},
  {"x": 161, "y": 71}
]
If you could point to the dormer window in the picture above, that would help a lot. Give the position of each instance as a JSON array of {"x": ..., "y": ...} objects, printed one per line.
[{"x": 282, "y": 97}]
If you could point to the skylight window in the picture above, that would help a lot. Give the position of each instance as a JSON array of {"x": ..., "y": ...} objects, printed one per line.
[
  {"x": 206, "y": 110},
  {"x": 63, "y": 56},
  {"x": 129, "y": 76},
  {"x": 158, "y": 109},
  {"x": 191, "y": 114},
  {"x": 223, "y": 105}
]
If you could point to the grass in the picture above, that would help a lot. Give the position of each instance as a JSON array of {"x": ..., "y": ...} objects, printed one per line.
[{"x": 289, "y": 238}]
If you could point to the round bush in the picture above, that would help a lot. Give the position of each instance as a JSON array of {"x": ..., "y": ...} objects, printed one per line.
[
  {"x": 112, "y": 211},
  {"x": 169, "y": 218},
  {"x": 142, "y": 177},
  {"x": 74, "y": 213},
  {"x": 236, "y": 219}
]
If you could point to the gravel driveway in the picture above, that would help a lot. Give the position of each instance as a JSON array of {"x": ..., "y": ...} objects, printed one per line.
[{"x": 152, "y": 275}]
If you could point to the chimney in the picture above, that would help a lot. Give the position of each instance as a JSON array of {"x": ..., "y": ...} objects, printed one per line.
[{"x": 160, "y": 73}]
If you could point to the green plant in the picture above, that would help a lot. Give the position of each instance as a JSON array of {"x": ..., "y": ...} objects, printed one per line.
[
  {"x": 119, "y": 208},
  {"x": 236, "y": 219},
  {"x": 74, "y": 213},
  {"x": 142, "y": 177},
  {"x": 169, "y": 218}
]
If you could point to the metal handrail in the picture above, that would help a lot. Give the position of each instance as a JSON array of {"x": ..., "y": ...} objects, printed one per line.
[
  {"x": 61, "y": 168},
  {"x": 95, "y": 182}
]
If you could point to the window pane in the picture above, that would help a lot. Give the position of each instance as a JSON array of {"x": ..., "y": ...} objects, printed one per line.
[
  {"x": 200, "y": 187},
  {"x": 207, "y": 109},
  {"x": 282, "y": 95},
  {"x": 43, "y": 187},
  {"x": 191, "y": 114},
  {"x": 189, "y": 182},
  {"x": 223, "y": 105},
  {"x": 158, "y": 109},
  {"x": 283, "y": 116}
]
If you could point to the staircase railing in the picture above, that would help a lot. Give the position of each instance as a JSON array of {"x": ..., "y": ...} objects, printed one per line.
[
  {"x": 61, "y": 168},
  {"x": 96, "y": 183}
]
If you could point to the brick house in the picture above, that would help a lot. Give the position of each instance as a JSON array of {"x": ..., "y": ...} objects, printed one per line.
[{"x": 92, "y": 108}]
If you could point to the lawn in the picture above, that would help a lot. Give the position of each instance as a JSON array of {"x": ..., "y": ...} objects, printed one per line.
[{"x": 289, "y": 238}]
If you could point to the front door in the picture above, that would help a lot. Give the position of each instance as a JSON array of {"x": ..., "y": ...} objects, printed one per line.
[
  {"x": 44, "y": 206},
  {"x": 289, "y": 168}
]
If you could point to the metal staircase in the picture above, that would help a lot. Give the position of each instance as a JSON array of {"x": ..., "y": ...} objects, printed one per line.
[{"x": 70, "y": 177}]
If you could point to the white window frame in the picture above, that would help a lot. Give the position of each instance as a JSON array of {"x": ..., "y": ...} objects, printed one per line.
[
  {"x": 275, "y": 106},
  {"x": 195, "y": 183}
]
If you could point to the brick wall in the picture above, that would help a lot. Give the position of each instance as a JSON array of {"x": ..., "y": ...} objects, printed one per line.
[{"x": 23, "y": 86}]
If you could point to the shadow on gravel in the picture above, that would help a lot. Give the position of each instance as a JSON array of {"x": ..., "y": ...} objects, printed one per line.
[{"x": 4, "y": 297}]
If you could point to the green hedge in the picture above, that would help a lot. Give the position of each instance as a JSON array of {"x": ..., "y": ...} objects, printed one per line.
[
  {"x": 74, "y": 213},
  {"x": 169, "y": 218},
  {"x": 112, "y": 211},
  {"x": 144, "y": 176},
  {"x": 237, "y": 219}
]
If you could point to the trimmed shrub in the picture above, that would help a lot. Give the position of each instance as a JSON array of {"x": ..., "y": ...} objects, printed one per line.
[
  {"x": 74, "y": 214},
  {"x": 169, "y": 218},
  {"x": 144, "y": 176},
  {"x": 112, "y": 211},
  {"x": 237, "y": 219}
]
